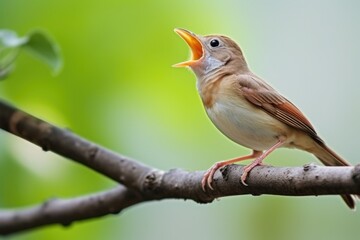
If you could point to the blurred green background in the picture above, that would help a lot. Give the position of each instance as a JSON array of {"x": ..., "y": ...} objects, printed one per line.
[{"x": 118, "y": 89}]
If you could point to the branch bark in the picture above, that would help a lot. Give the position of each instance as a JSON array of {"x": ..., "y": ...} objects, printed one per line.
[
  {"x": 140, "y": 183},
  {"x": 66, "y": 211}
]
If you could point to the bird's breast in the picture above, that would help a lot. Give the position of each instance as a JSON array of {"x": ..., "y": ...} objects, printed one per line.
[{"x": 243, "y": 122}]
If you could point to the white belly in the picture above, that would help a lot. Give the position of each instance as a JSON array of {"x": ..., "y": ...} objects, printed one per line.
[{"x": 246, "y": 125}]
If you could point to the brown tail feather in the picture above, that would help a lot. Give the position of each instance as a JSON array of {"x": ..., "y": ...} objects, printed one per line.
[{"x": 329, "y": 158}]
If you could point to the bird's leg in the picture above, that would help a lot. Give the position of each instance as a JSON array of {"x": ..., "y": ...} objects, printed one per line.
[
  {"x": 258, "y": 161},
  {"x": 209, "y": 174}
]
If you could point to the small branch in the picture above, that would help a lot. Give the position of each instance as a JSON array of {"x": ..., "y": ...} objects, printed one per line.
[
  {"x": 65, "y": 143},
  {"x": 143, "y": 183},
  {"x": 66, "y": 211}
]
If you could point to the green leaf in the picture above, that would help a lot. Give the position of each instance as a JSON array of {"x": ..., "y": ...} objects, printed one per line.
[
  {"x": 9, "y": 39},
  {"x": 43, "y": 47},
  {"x": 8, "y": 54},
  {"x": 37, "y": 43}
]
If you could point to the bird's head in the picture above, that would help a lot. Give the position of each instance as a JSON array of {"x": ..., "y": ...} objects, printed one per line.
[{"x": 211, "y": 53}]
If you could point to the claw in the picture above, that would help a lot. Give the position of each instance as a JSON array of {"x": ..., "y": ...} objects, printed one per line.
[
  {"x": 203, "y": 182},
  {"x": 209, "y": 182},
  {"x": 243, "y": 178},
  {"x": 208, "y": 177},
  {"x": 249, "y": 167}
]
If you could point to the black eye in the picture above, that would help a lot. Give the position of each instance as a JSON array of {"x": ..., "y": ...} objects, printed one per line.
[{"x": 214, "y": 43}]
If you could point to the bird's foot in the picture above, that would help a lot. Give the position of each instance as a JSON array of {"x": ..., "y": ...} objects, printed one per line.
[
  {"x": 249, "y": 167},
  {"x": 209, "y": 175}
]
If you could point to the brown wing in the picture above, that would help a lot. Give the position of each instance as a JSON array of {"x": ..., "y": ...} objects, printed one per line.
[{"x": 262, "y": 95}]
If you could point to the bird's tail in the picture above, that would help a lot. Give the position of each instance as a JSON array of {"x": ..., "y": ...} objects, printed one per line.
[{"x": 329, "y": 158}]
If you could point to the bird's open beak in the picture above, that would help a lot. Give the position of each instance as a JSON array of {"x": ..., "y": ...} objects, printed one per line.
[{"x": 194, "y": 43}]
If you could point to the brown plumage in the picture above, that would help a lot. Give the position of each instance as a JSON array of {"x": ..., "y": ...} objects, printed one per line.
[{"x": 247, "y": 109}]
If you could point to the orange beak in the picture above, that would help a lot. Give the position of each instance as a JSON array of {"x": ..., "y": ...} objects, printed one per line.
[{"x": 195, "y": 45}]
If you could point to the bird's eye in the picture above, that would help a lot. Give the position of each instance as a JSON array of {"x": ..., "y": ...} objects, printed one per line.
[{"x": 214, "y": 43}]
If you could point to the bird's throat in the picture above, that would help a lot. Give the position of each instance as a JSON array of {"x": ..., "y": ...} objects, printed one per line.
[{"x": 212, "y": 64}]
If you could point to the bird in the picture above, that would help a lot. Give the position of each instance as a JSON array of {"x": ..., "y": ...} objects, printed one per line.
[{"x": 247, "y": 109}]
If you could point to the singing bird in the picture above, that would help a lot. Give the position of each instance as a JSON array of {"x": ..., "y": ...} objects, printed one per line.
[{"x": 247, "y": 109}]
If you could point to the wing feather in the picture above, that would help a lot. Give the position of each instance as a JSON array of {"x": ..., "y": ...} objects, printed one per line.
[{"x": 257, "y": 92}]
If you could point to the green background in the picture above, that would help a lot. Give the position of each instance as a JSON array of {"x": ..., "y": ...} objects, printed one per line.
[{"x": 118, "y": 89}]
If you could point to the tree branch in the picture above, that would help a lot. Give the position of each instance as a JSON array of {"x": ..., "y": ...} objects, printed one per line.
[
  {"x": 66, "y": 211},
  {"x": 307, "y": 180},
  {"x": 144, "y": 183},
  {"x": 65, "y": 143}
]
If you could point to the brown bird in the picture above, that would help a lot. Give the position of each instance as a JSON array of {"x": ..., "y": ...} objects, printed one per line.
[{"x": 247, "y": 109}]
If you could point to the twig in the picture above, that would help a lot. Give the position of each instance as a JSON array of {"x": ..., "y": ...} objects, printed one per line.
[{"x": 66, "y": 211}]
